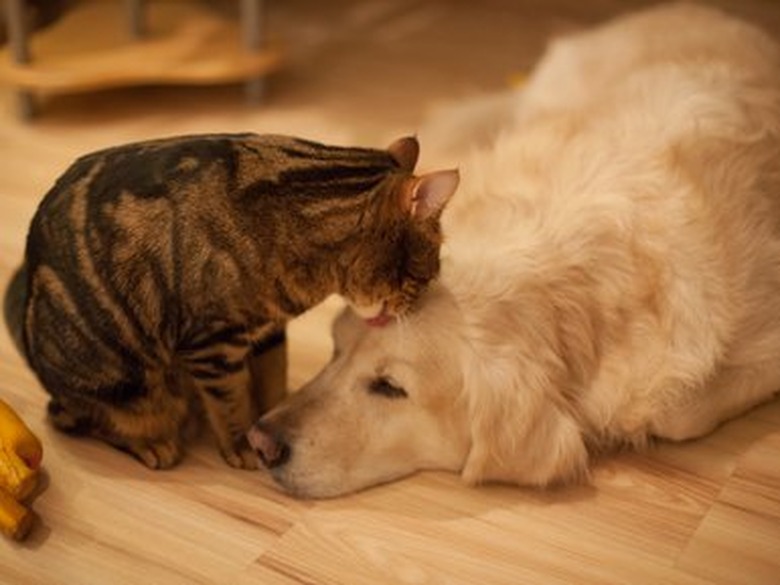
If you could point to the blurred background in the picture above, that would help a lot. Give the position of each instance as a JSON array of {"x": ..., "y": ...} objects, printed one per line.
[
  {"x": 102, "y": 72},
  {"x": 358, "y": 65}
]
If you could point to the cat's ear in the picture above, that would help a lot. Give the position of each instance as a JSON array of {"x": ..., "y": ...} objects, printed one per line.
[
  {"x": 405, "y": 152},
  {"x": 427, "y": 195}
]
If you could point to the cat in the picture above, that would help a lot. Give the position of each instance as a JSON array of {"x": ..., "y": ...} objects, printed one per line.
[{"x": 155, "y": 272}]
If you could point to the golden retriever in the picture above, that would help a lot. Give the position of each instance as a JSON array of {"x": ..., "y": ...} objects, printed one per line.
[{"x": 611, "y": 274}]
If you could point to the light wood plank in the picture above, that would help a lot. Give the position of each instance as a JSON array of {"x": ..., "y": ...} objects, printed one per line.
[{"x": 740, "y": 535}]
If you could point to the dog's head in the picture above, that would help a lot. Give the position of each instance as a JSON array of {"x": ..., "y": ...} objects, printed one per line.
[
  {"x": 386, "y": 405},
  {"x": 412, "y": 395}
]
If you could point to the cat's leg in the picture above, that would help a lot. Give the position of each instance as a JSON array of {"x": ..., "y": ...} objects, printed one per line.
[
  {"x": 146, "y": 422},
  {"x": 222, "y": 378},
  {"x": 68, "y": 419},
  {"x": 150, "y": 428},
  {"x": 231, "y": 412},
  {"x": 268, "y": 366},
  {"x": 104, "y": 379}
]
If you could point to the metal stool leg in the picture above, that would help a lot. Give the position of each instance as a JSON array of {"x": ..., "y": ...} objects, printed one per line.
[
  {"x": 17, "y": 39},
  {"x": 252, "y": 24},
  {"x": 135, "y": 18}
]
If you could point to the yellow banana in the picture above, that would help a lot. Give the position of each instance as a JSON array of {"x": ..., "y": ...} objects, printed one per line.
[
  {"x": 20, "y": 458},
  {"x": 15, "y": 519}
]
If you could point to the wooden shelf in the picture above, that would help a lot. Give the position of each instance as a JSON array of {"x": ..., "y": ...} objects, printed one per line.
[{"x": 91, "y": 47}]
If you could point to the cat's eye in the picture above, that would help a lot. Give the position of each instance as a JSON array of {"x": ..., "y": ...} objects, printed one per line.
[{"x": 384, "y": 386}]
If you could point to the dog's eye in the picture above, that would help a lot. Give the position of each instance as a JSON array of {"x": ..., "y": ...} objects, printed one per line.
[{"x": 385, "y": 387}]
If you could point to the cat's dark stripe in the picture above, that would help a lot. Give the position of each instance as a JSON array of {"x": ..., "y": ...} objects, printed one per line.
[
  {"x": 224, "y": 255},
  {"x": 204, "y": 374},
  {"x": 287, "y": 304},
  {"x": 116, "y": 376},
  {"x": 337, "y": 172},
  {"x": 264, "y": 189},
  {"x": 126, "y": 326},
  {"x": 232, "y": 335},
  {"x": 70, "y": 332},
  {"x": 217, "y": 392},
  {"x": 149, "y": 169},
  {"x": 165, "y": 301},
  {"x": 106, "y": 333},
  {"x": 324, "y": 189},
  {"x": 105, "y": 310},
  {"x": 334, "y": 177},
  {"x": 74, "y": 175},
  {"x": 349, "y": 211},
  {"x": 313, "y": 151},
  {"x": 273, "y": 340},
  {"x": 215, "y": 360},
  {"x": 177, "y": 272},
  {"x": 122, "y": 393}
]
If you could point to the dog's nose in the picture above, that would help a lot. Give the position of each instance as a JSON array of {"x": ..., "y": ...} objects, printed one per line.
[{"x": 272, "y": 449}]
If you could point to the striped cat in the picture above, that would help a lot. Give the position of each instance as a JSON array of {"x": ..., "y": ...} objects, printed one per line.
[{"x": 155, "y": 271}]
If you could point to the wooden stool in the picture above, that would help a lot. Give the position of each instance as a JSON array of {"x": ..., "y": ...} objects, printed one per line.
[{"x": 197, "y": 48}]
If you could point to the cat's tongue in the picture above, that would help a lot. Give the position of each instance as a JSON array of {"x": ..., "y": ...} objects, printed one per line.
[
  {"x": 380, "y": 320},
  {"x": 375, "y": 315}
]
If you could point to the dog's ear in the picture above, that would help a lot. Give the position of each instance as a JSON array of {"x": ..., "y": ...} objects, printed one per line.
[
  {"x": 346, "y": 328},
  {"x": 521, "y": 429}
]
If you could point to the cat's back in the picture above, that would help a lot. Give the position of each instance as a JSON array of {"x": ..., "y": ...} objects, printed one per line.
[
  {"x": 172, "y": 214},
  {"x": 146, "y": 170},
  {"x": 208, "y": 168},
  {"x": 137, "y": 191},
  {"x": 109, "y": 240}
]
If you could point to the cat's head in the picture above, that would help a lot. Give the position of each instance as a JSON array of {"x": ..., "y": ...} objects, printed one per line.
[{"x": 397, "y": 255}]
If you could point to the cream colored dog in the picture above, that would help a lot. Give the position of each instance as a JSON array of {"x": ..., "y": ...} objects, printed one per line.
[{"x": 612, "y": 274}]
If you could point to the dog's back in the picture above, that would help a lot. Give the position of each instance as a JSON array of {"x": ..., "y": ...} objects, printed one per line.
[
  {"x": 633, "y": 199},
  {"x": 579, "y": 69}
]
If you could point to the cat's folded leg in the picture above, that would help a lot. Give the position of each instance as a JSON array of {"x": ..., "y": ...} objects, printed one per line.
[
  {"x": 268, "y": 365},
  {"x": 148, "y": 428}
]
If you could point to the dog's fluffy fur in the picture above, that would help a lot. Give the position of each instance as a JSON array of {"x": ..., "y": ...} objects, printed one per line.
[{"x": 612, "y": 273}]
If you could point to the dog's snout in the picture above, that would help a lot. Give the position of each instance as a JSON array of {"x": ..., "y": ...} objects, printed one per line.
[{"x": 271, "y": 447}]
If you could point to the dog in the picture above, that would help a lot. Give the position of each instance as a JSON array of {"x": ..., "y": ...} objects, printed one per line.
[{"x": 611, "y": 274}]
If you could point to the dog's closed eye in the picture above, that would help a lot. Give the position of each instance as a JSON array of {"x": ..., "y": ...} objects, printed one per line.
[{"x": 386, "y": 387}]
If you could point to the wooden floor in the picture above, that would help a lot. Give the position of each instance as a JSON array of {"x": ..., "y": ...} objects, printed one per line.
[{"x": 702, "y": 512}]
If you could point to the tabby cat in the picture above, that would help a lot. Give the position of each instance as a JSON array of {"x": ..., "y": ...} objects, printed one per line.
[{"x": 154, "y": 271}]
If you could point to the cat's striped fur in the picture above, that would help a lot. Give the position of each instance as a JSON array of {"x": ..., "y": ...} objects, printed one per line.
[{"x": 153, "y": 269}]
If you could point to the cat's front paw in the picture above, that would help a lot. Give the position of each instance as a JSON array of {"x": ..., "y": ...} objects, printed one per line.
[{"x": 241, "y": 455}]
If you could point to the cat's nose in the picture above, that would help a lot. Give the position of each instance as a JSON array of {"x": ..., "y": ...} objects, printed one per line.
[{"x": 271, "y": 447}]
